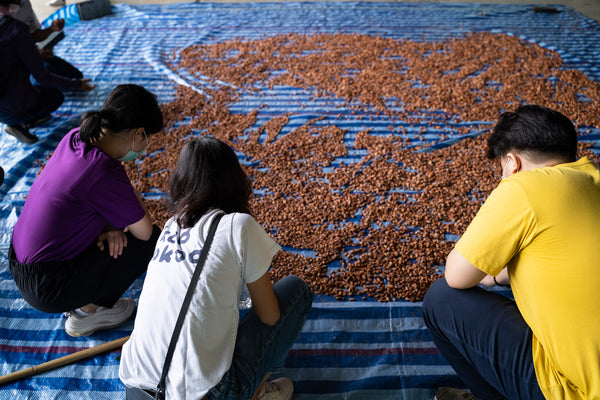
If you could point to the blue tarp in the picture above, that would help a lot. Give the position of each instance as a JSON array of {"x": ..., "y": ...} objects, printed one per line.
[{"x": 347, "y": 350}]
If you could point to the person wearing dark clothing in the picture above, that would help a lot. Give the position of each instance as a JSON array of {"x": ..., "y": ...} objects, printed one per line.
[
  {"x": 54, "y": 64},
  {"x": 23, "y": 104}
]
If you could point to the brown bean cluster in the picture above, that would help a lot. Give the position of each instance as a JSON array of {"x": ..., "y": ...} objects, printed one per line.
[{"x": 380, "y": 226}]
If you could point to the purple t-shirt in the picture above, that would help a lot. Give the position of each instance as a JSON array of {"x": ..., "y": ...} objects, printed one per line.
[{"x": 80, "y": 191}]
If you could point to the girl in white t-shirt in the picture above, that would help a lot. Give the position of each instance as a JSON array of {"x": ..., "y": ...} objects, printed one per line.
[{"x": 217, "y": 355}]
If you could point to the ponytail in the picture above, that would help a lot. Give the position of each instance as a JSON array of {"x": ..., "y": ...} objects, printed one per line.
[
  {"x": 127, "y": 107},
  {"x": 92, "y": 123}
]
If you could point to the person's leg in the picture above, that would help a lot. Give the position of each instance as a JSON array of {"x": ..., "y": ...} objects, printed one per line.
[
  {"x": 94, "y": 277},
  {"x": 484, "y": 338},
  {"x": 107, "y": 278},
  {"x": 58, "y": 66},
  {"x": 50, "y": 99},
  {"x": 15, "y": 126},
  {"x": 18, "y": 123},
  {"x": 259, "y": 348}
]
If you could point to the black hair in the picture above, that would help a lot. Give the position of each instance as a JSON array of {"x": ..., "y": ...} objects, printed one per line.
[
  {"x": 6, "y": 3},
  {"x": 126, "y": 107},
  {"x": 208, "y": 175},
  {"x": 536, "y": 130}
]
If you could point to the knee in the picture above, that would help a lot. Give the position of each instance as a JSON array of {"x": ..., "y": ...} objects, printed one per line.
[
  {"x": 55, "y": 98},
  {"x": 296, "y": 286},
  {"x": 435, "y": 297}
]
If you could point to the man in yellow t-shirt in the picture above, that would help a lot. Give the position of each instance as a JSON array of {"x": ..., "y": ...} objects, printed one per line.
[{"x": 538, "y": 231}]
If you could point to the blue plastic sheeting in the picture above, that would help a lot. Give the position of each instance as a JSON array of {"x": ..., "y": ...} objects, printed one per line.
[{"x": 347, "y": 350}]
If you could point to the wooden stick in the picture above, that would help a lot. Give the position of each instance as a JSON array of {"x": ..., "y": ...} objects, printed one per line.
[{"x": 59, "y": 362}]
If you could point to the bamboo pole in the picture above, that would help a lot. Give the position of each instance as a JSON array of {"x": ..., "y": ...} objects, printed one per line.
[{"x": 59, "y": 362}]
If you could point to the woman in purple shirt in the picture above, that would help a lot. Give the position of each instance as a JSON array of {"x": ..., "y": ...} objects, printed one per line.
[
  {"x": 22, "y": 104},
  {"x": 84, "y": 235}
]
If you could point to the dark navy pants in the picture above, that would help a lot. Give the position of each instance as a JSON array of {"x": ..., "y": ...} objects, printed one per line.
[
  {"x": 58, "y": 66},
  {"x": 48, "y": 100},
  {"x": 484, "y": 338}
]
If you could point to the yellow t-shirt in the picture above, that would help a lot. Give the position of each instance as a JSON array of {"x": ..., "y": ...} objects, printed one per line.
[{"x": 545, "y": 225}]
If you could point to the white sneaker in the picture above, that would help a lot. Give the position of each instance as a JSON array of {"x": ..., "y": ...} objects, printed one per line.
[
  {"x": 277, "y": 389},
  {"x": 56, "y": 3},
  {"x": 103, "y": 318}
]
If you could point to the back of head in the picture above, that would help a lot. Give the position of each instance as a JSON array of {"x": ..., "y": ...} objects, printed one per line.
[
  {"x": 537, "y": 131},
  {"x": 208, "y": 175},
  {"x": 127, "y": 107}
]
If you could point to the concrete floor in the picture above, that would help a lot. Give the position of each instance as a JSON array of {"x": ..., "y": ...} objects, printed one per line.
[{"x": 590, "y": 8}]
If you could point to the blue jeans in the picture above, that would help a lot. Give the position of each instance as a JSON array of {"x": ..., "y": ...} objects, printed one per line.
[
  {"x": 259, "y": 348},
  {"x": 484, "y": 338}
]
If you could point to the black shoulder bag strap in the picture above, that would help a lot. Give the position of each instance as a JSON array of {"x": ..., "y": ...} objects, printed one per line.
[{"x": 160, "y": 390}]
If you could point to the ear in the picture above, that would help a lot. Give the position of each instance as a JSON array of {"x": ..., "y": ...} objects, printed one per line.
[
  {"x": 514, "y": 163},
  {"x": 138, "y": 131}
]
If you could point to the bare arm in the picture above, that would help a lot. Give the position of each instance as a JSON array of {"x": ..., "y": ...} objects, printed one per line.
[
  {"x": 264, "y": 302},
  {"x": 501, "y": 279},
  {"x": 141, "y": 229},
  {"x": 42, "y": 34},
  {"x": 460, "y": 273}
]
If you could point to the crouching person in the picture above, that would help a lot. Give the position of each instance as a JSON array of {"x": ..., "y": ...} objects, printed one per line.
[
  {"x": 538, "y": 231},
  {"x": 216, "y": 357},
  {"x": 84, "y": 234}
]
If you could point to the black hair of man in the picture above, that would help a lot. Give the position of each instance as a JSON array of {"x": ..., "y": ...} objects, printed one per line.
[{"x": 539, "y": 132}]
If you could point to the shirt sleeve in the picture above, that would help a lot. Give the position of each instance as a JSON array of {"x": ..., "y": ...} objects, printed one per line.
[
  {"x": 257, "y": 247},
  {"x": 504, "y": 226},
  {"x": 113, "y": 197}
]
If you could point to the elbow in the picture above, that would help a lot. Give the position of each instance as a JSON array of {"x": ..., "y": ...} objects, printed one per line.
[
  {"x": 453, "y": 282},
  {"x": 270, "y": 320},
  {"x": 143, "y": 229},
  {"x": 145, "y": 236}
]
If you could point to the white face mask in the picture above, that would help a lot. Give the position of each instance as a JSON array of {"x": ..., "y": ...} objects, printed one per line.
[{"x": 132, "y": 154}]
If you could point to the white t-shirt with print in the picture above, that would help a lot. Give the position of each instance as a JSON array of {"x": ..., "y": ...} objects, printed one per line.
[{"x": 241, "y": 252}]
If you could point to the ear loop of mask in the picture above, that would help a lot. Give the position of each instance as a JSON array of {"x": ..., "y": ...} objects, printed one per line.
[{"x": 505, "y": 165}]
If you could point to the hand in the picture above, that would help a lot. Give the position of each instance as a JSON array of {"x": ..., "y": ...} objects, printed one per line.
[
  {"x": 85, "y": 85},
  {"x": 46, "y": 53},
  {"x": 116, "y": 240},
  {"x": 57, "y": 25}
]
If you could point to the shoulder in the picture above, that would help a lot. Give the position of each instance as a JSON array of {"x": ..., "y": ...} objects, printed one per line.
[
  {"x": 242, "y": 219},
  {"x": 582, "y": 173},
  {"x": 245, "y": 224},
  {"x": 11, "y": 26},
  {"x": 27, "y": 16}
]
